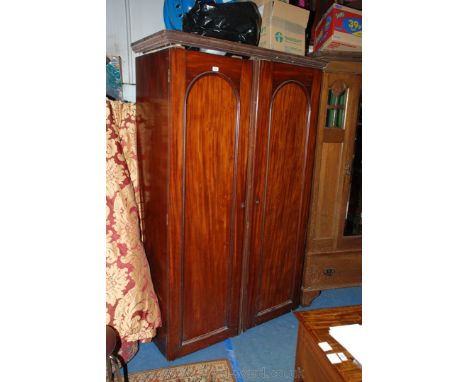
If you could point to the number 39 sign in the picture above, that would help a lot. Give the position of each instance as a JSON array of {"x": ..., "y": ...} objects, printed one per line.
[{"x": 352, "y": 25}]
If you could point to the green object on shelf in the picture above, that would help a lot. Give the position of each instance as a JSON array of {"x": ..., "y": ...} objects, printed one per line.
[{"x": 336, "y": 110}]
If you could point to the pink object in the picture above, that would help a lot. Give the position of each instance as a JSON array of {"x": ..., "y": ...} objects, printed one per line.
[{"x": 132, "y": 307}]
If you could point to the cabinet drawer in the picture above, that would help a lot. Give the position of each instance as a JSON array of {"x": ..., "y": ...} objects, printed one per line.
[{"x": 332, "y": 270}]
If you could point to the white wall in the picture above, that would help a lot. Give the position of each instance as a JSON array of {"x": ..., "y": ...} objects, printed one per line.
[{"x": 128, "y": 21}]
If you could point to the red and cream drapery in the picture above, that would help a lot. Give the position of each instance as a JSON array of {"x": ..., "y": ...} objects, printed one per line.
[{"x": 131, "y": 304}]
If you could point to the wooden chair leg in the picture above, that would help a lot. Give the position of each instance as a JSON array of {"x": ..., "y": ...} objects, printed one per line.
[
  {"x": 116, "y": 366},
  {"x": 109, "y": 377}
]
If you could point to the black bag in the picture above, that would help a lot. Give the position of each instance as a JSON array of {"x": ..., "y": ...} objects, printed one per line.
[{"x": 239, "y": 22}]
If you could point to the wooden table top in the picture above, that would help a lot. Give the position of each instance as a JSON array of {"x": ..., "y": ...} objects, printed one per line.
[{"x": 318, "y": 322}]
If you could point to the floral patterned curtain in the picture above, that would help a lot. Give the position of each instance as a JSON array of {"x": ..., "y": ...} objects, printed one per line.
[{"x": 131, "y": 304}]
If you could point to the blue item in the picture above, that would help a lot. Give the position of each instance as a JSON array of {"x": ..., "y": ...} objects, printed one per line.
[{"x": 175, "y": 9}]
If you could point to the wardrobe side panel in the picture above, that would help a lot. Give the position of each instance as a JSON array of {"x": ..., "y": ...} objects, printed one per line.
[{"x": 152, "y": 139}]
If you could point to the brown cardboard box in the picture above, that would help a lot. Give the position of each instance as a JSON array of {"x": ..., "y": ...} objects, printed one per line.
[
  {"x": 283, "y": 26},
  {"x": 340, "y": 28}
]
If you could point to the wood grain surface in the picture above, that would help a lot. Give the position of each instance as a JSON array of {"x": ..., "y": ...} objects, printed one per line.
[
  {"x": 195, "y": 110},
  {"x": 152, "y": 110},
  {"x": 286, "y": 122},
  {"x": 312, "y": 363},
  {"x": 327, "y": 247},
  {"x": 210, "y": 202},
  {"x": 226, "y": 156},
  {"x": 332, "y": 270},
  {"x": 169, "y": 38}
]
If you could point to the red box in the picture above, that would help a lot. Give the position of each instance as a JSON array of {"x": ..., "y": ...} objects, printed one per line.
[{"x": 339, "y": 29}]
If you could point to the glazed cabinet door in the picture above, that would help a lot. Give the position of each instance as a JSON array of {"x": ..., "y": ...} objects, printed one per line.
[
  {"x": 334, "y": 161},
  {"x": 210, "y": 109},
  {"x": 350, "y": 218},
  {"x": 285, "y": 136}
]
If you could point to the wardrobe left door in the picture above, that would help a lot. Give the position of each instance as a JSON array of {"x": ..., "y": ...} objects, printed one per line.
[{"x": 210, "y": 117}]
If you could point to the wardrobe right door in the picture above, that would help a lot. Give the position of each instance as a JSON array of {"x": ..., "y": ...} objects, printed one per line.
[{"x": 286, "y": 119}]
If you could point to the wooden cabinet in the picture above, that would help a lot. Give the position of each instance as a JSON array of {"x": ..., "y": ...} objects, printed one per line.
[
  {"x": 333, "y": 254},
  {"x": 312, "y": 363},
  {"x": 225, "y": 154}
]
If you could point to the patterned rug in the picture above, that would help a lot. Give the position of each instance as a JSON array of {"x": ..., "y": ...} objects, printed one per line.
[{"x": 210, "y": 371}]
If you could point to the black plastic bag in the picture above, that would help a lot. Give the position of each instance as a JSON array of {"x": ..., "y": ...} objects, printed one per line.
[{"x": 239, "y": 22}]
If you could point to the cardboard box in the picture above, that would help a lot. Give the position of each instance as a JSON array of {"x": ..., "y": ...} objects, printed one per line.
[
  {"x": 340, "y": 29},
  {"x": 262, "y": 2},
  {"x": 283, "y": 26}
]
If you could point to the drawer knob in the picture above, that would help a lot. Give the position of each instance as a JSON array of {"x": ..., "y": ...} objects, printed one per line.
[{"x": 329, "y": 271}]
